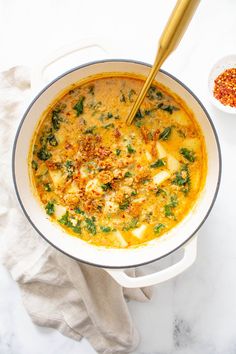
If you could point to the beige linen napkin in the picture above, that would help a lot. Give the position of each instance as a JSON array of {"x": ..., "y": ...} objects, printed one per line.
[{"x": 57, "y": 291}]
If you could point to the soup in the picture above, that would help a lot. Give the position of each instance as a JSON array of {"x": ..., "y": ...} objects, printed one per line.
[{"x": 113, "y": 185}]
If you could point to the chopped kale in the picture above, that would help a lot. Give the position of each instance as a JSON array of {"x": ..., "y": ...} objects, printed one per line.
[
  {"x": 168, "y": 108},
  {"x": 127, "y": 174},
  {"x": 79, "y": 211},
  {"x": 56, "y": 119},
  {"x": 91, "y": 226},
  {"x": 161, "y": 191},
  {"x": 168, "y": 211},
  {"x": 158, "y": 227},
  {"x": 76, "y": 228},
  {"x": 139, "y": 114},
  {"x": 105, "y": 229},
  {"x": 130, "y": 149},
  {"x": 182, "y": 179},
  {"x": 106, "y": 186},
  {"x": 131, "y": 225},
  {"x": 69, "y": 168},
  {"x": 52, "y": 140},
  {"x": 90, "y": 130},
  {"x": 124, "y": 205},
  {"x": 50, "y": 208},
  {"x": 138, "y": 123},
  {"x": 64, "y": 220},
  {"x": 153, "y": 93},
  {"x": 122, "y": 97},
  {"x": 118, "y": 151},
  {"x": 165, "y": 134},
  {"x": 188, "y": 154},
  {"x": 34, "y": 165},
  {"x": 109, "y": 115},
  {"x": 158, "y": 163},
  {"x": 131, "y": 94},
  {"x": 43, "y": 154},
  {"x": 79, "y": 106},
  {"x": 108, "y": 126},
  {"x": 47, "y": 187},
  {"x": 169, "y": 207}
]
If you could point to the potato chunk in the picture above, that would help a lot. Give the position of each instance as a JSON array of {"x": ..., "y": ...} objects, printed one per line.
[{"x": 161, "y": 177}]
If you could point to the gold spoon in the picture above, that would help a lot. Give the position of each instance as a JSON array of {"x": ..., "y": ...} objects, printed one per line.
[{"x": 171, "y": 36}]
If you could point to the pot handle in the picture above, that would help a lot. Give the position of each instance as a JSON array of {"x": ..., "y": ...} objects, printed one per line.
[
  {"x": 190, "y": 253},
  {"x": 38, "y": 71}
]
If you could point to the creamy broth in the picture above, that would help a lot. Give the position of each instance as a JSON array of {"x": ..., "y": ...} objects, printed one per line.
[{"x": 110, "y": 184}]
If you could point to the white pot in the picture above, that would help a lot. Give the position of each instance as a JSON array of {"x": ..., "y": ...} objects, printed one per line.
[{"x": 115, "y": 260}]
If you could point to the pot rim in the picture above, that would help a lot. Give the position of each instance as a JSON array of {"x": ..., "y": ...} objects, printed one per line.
[{"x": 125, "y": 61}]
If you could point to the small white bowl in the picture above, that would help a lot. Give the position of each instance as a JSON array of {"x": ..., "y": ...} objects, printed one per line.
[{"x": 220, "y": 66}]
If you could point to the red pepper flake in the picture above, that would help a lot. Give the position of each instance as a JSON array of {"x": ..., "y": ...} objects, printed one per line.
[{"x": 225, "y": 87}]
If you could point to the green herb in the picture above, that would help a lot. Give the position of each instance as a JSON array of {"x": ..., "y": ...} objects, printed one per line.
[
  {"x": 169, "y": 207},
  {"x": 134, "y": 193},
  {"x": 50, "y": 208},
  {"x": 52, "y": 140},
  {"x": 109, "y": 115},
  {"x": 124, "y": 205},
  {"x": 43, "y": 154},
  {"x": 105, "y": 228},
  {"x": 64, "y": 220},
  {"x": 34, "y": 165},
  {"x": 159, "y": 95},
  {"x": 90, "y": 225},
  {"x": 106, "y": 186},
  {"x": 153, "y": 93},
  {"x": 118, "y": 151},
  {"x": 145, "y": 180},
  {"x": 108, "y": 126},
  {"x": 79, "y": 106},
  {"x": 69, "y": 168},
  {"x": 139, "y": 114},
  {"x": 79, "y": 211},
  {"x": 90, "y": 130},
  {"x": 130, "y": 95},
  {"x": 158, "y": 227},
  {"x": 76, "y": 228},
  {"x": 165, "y": 134},
  {"x": 161, "y": 191},
  {"x": 188, "y": 154},
  {"x": 131, "y": 225},
  {"x": 168, "y": 108},
  {"x": 173, "y": 201},
  {"x": 130, "y": 149},
  {"x": 147, "y": 112},
  {"x": 182, "y": 179},
  {"x": 158, "y": 163},
  {"x": 138, "y": 123},
  {"x": 56, "y": 120},
  {"x": 47, "y": 187},
  {"x": 127, "y": 174},
  {"x": 168, "y": 211}
]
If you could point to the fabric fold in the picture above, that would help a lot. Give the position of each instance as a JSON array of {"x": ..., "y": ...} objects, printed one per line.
[{"x": 78, "y": 300}]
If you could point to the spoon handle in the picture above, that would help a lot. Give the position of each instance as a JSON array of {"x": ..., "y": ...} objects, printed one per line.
[{"x": 170, "y": 38}]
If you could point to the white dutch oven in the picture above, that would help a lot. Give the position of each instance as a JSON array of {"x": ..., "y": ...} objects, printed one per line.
[{"x": 114, "y": 261}]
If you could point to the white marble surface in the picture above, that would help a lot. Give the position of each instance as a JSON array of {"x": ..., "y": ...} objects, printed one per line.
[{"x": 194, "y": 313}]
